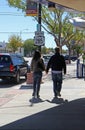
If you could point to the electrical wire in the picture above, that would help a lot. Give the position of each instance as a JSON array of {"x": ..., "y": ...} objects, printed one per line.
[
  {"x": 13, "y": 14},
  {"x": 18, "y": 32}
]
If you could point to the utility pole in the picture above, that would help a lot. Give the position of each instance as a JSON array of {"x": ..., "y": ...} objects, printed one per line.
[
  {"x": 39, "y": 20},
  {"x": 39, "y": 39}
]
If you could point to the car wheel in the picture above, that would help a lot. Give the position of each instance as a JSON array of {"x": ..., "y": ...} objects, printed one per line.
[{"x": 17, "y": 78}]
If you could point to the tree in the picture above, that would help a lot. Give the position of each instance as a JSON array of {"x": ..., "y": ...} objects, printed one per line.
[
  {"x": 29, "y": 47},
  {"x": 46, "y": 50},
  {"x": 14, "y": 42},
  {"x": 78, "y": 48},
  {"x": 54, "y": 22},
  {"x": 77, "y": 42},
  {"x": 19, "y": 4},
  {"x": 57, "y": 25}
]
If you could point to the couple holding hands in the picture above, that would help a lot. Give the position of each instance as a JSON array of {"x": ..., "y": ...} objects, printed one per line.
[{"x": 58, "y": 67}]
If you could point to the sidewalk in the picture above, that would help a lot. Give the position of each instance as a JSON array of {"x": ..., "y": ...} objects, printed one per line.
[{"x": 22, "y": 112}]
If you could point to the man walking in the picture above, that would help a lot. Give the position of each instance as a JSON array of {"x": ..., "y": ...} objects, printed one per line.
[{"x": 58, "y": 67}]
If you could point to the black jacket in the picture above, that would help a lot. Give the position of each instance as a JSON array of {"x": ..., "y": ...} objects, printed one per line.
[{"x": 57, "y": 63}]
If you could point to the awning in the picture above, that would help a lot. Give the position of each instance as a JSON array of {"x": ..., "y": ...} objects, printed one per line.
[
  {"x": 78, "y": 5},
  {"x": 74, "y": 4}
]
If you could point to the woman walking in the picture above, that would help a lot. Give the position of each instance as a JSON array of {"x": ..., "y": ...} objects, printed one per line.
[{"x": 37, "y": 66}]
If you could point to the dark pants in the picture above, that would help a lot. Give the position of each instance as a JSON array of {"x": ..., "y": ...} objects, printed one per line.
[
  {"x": 57, "y": 82},
  {"x": 37, "y": 76}
]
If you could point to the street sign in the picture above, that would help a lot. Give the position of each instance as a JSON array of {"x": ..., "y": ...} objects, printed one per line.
[
  {"x": 31, "y": 8},
  {"x": 39, "y": 38},
  {"x": 39, "y": 33}
]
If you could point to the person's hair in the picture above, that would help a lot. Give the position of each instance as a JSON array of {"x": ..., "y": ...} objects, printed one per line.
[
  {"x": 36, "y": 55},
  {"x": 57, "y": 49}
]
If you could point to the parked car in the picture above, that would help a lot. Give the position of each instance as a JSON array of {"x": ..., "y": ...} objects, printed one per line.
[
  {"x": 73, "y": 58},
  {"x": 12, "y": 66},
  {"x": 46, "y": 59}
]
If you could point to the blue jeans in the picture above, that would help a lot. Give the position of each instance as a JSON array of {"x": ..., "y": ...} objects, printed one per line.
[
  {"x": 57, "y": 82},
  {"x": 37, "y": 76}
]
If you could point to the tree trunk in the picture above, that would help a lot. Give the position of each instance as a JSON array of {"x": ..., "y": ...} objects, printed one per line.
[{"x": 58, "y": 44}]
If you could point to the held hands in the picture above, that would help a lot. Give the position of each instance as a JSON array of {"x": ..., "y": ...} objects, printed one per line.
[{"x": 46, "y": 71}]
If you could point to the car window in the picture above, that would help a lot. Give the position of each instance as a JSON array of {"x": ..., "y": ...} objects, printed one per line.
[
  {"x": 4, "y": 59},
  {"x": 17, "y": 60}
]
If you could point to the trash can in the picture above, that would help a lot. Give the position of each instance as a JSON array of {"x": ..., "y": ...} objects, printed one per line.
[{"x": 80, "y": 70}]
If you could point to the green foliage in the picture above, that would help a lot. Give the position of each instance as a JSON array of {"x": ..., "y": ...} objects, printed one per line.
[
  {"x": 14, "y": 42},
  {"x": 19, "y": 4},
  {"x": 44, "y": 50},
  {"x": 56, "y": 23},
  {"x": 78, "y": 49},
  {"x": 29, "y": 46}
]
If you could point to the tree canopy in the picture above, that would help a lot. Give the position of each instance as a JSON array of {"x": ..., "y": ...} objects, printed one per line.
[
  {"x": 14, "y": 42},
  {"x": 29, "y": 47},
  {"x": 55, "y": 22}
]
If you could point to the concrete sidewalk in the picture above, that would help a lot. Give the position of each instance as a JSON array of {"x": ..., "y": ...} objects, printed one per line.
[{"x": 22, "y": 112}]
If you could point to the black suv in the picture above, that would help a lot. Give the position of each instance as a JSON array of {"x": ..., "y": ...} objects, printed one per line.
[{"x": 12, "y": 66}]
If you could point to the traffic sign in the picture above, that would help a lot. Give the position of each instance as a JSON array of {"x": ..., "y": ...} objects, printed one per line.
[
  {"x": 39, "y": 41},
  {"x": 39, "y": 33},
  {"x": 39, "y": 38}
]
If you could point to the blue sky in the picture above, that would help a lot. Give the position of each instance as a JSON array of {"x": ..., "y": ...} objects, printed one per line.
[{"x": 13, "y": 21}]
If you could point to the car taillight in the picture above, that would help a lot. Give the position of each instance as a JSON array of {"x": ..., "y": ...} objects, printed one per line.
[{"x": 11, "y": 67}]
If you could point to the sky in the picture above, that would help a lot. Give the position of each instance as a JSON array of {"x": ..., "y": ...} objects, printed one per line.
[{"x": 14, "y": 21}]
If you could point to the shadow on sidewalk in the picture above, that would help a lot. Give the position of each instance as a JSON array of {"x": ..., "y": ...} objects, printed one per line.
[
  {"x": 66, "y": 116},
  {"x": 27, "y": 86},
  {"x": 57, "y": 100}
]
